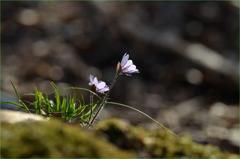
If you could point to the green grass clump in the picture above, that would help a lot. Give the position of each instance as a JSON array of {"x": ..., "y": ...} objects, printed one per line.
[{"x": 63, "y": 107}]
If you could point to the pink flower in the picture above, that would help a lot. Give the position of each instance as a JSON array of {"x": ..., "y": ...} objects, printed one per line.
[
  {"x": 98, "y": 86},
  {"x": 127, "y": 66}
]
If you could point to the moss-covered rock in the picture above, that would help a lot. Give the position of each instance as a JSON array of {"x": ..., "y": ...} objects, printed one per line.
[
  {"x": 156, "y": 143},
  {"x": 54, "y": 139},
  {"x": 109, "y": 138}
]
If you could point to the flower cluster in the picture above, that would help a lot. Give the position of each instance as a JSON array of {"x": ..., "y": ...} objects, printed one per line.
[{"x": 125, "y": 67}]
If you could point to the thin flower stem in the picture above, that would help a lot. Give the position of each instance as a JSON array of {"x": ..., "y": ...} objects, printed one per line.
[
  {"x": 105, "y": 97},
  {"x": 91, "y": 103}
]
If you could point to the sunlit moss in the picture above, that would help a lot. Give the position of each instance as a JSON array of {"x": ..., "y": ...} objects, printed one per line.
[
  {"x": 156, "y": 143},
  {"x": 59, "y": 140},
  {"x": 53, "y": 139}
]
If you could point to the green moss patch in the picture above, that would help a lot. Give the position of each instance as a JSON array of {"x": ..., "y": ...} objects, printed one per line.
[
  {"x": 54, "y": 139},
  {"x": 156, "y": 143},
  {"x": 110, "y": 138}
]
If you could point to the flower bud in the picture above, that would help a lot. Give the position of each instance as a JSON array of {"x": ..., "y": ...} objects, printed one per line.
[{"x": 119, "y": 68}]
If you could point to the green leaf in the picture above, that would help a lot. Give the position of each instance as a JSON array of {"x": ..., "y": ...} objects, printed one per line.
[
  {"x": 87, "y": 115},
  {"x": 83, "y": 101},
  {"x": 35, "y": 104},
  {"x": 64, "y": 103},
  {"x": 57, "y": 96},
  {"x": 17, "y": 104},
  {"x": 24, "y": 106},
  {"x": 15, "y": 91},
  {"x": 40, "y": 102},
  {"x": 79, "y": 110}
]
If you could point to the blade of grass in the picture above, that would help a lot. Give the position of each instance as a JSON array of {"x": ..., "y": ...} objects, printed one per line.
[
  {"x": 40, "y": 103},
  {"x": 83, "y": 89},
  {"x": 36, "y": 101},
  {"x": 17, "y": 104},
  {"x": 80, "y": 110},
  {"x": 57, "y": 96},
  {"x": 77, "y": 109},
  {"x": 15, "y": 91},
  {"x": 63, "y": 108},
  {"x": 87, "y": 115},
  {"x": 74, "y": 100},
  {"x": 47, "y": 104},
  {"x": 19, "y": 99},
  {"x": 83, "y": 101},
  {"x": 69, "y": 105},
  {"x": 166, "y": 129}
]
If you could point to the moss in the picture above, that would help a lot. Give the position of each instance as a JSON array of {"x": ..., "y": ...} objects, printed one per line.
[
  {"x": 59, "y": 140},
  {"x": 165, "y": 145},
  {"x": 156, "y": 143},
  {"x": 54, "y": 139}
]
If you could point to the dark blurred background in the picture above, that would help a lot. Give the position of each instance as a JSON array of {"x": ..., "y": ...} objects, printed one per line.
[{"x": 187, "y": 54}]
